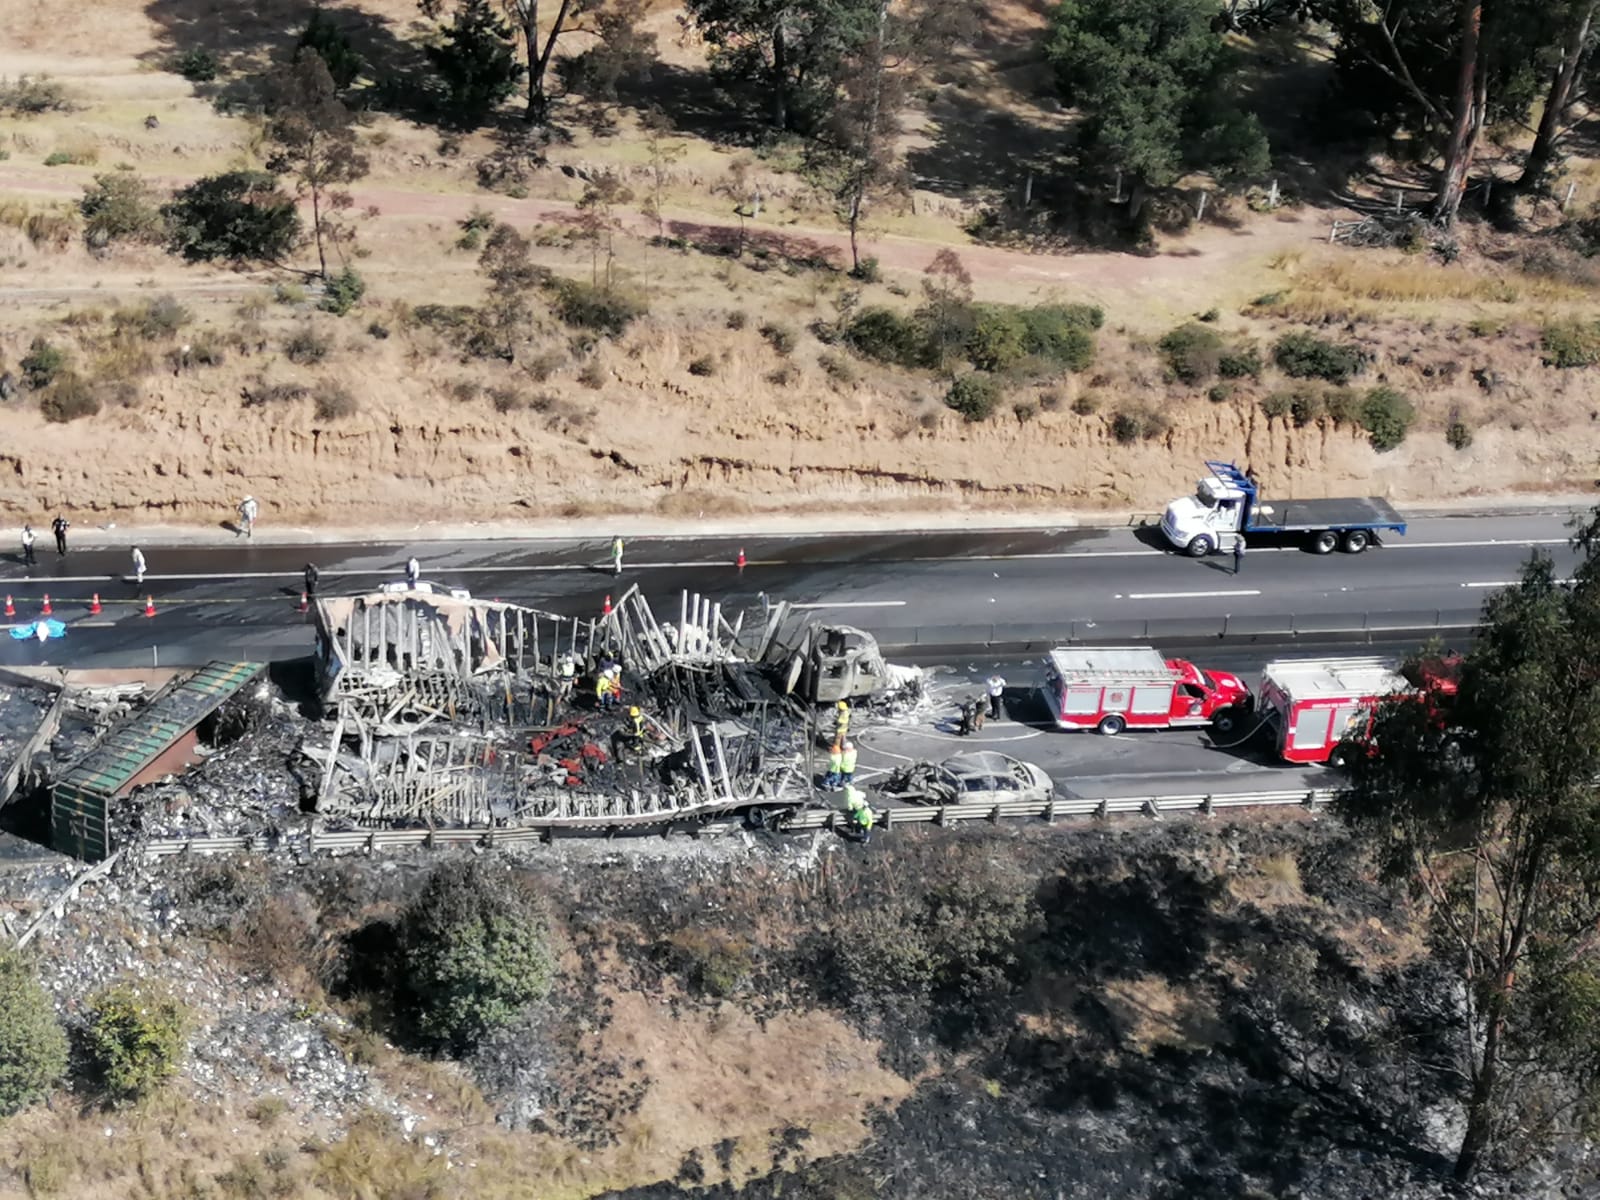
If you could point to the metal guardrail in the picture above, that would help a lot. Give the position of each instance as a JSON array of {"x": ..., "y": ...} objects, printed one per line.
[
  {"x": 1229, "y": 627},
  {"x": 371, "y": 841}
]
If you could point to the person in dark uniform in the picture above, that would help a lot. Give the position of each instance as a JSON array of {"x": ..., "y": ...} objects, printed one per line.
[
  {"x": 312, "y": 575},
  {"x": 59, "y": 527},
  {"x": 1238, "y": 555}
]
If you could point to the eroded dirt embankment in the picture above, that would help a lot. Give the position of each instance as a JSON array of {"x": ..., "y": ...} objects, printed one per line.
[{"x": 652, "y": 438}]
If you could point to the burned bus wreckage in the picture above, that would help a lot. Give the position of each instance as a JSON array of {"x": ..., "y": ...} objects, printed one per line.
[{"x": 444, "y": 711}]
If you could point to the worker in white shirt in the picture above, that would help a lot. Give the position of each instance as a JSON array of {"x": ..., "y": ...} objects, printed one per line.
[
  {"x": 413, "y": 572},
  {"x": 997, "y": 690},
  {"x": 138, "y": 565}
]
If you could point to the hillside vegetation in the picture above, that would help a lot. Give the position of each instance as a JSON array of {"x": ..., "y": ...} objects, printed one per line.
[{"x": 708, "y": 258}]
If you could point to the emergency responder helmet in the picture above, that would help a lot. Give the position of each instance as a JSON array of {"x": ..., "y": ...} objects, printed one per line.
[
  {"x": 842, "y": 704},
  {"x": 634, "y": 711}
]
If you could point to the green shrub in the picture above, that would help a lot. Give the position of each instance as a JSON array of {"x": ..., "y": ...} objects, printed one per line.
[
  {"x": 475, "y": 947},
  {"x": 1061, "y": 334},
  {"x": 69, "y": 398},
  {"x": 589, "y": 306},
  {"x": 60, "y": 158},
  {"x": 1386, "y": 415},
  {"x": 1343, "y": 405},
  {"x": 1024, "y": 411},
  {"x": 866, "y": 271},
  {"x": 133, "y": 1041},
  {"x": 42, "y": 363},
  {"x": 1220, "y": 393},
  {"x": 975, "y": 396},
  {"x": 1305, "y": 406},
  {"x": 886, "y": 336},
  {"x": 333, "y": 401},
  {"x": 998, "y": 339},
  {"x": 342, "y": 292},
  {"x": 1192, "y": 352},
  {"x": 33, "y": 1048},
  {"x": 1305, "y": 356},
  {"x": 239, "y": 216},
  {"x": 1277, "y": 404},
  {"x": 782, "y": 338},
  {"x": 1086, "y": 404},
  {"x": 1570, "y": 344},
  {"x": 737, "y": 319},
  {"x": 31, "y": 95},
  {"x": 306, "y": 345},
  {"x": 1239, "y": 362},
  {"x": 1126, "y": 426},
  {"x": 887, "y": 957},
  {"x": 196, "y": 65},
  {"x": 1457, "y": 435},
  {"x": 119, "y": 207}
]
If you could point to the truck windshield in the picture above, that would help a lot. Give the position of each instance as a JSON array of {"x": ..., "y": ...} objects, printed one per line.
[{"x": 1204, "y": 495}]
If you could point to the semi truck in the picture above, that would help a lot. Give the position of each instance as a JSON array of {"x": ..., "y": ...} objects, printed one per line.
[
  {"x": 1309, "y": 706},
  {"x": 1227, "y": 505},
  {"x": 1113, "y": 688}
]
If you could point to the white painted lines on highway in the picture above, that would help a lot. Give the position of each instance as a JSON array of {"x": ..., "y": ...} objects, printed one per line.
[
  {"x": 854, "y": 604},
  {"x": 1187, "y": 595},
  {"x": 1503, "y": 583}
]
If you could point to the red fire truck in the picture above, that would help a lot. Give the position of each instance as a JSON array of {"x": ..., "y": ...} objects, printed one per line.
[
  {"x": 1313, "y": 704},
  {"x": 1112, "y": 688}
]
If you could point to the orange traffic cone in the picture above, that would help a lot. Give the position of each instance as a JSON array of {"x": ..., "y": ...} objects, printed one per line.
[
  {"x": 11, "y": 609},
  {"x": 606, "y": 611},
  {"x": 46, "y": 609},
  {"x": 305, "y": 603},
  {"x": 740, "y": 559},
  {"x": 149, "y": 606},
  {"x": 94, "y": 605}
]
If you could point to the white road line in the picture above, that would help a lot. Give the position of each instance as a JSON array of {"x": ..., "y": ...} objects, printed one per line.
[
  {"x": 1503, "y": 583},
  {"x": 855, "y": 604},
  {"x": 1187, "y": 595}
]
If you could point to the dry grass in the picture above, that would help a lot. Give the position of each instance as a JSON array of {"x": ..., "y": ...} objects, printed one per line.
[
  {"x": 1327, "y": 288},
  {"x": 1152, "y": 1012}
]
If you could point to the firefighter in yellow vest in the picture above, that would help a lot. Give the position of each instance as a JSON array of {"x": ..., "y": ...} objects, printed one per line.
[
  {"x": 847, "y": 764},
  {"x": 860, "y": 814},
  {"x": 841, "y": 721},
  {"x": 835, "y": 766}
]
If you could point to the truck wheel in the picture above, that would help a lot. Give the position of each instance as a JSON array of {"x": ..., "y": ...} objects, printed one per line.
[
  {"x": 1111, "y": 725},
  {"x": 1198, "y": 547},
  {"x": 1356, "y": 541},
  {"x": 1228, "y": 721},
  {"x": 1325, "y": 542}
]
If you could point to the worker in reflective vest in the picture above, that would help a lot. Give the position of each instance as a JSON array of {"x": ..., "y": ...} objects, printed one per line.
[
  {"x": 605, "y": 691},
  {"x": 860, "y": 814},
  {"x": 847, "y": 764},
  {"x": 835, "y": 765},
  {"x": 841, "y": 724},
  {"x": 637, "y": 720}
]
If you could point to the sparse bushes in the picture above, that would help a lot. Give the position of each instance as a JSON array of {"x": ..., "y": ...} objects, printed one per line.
[
  {"x": 33, "y": 1048},
  {"x": 703, "y": 366},
  {"x": 1386, "y": 415},
  {"x": 736, "y": 319},
  {"x": 475, "y": 945},
  {"x": 782, "y": 338},
  {"x": 507, "y": 400},
  {"x": 1343, "y": 406},
  {"x": 1305, "y": 406},
  {"x": 42, "y": 363},
  {"x": 1570, "y": 344},
  {"x": 473, "y": 226},
  {"x": 239, "y": 215},
  {"x": 307, "y": 345},
  {"x": 1004, "y": 335},
  {"x": 1239, "y": 362},
  {"x": 1192, "y": 352},
  {"x": 69, "y": 398},
  {"x": 1086, "y": 405},
  {"x": 32, "y": 95},
  {"x": 837, "y": 368},
  {"x": 133, "y": 1041},
  {"x": 1303, "y": 355},
  {"x": 1276, "y": 405},
  {"x": 1457, "y": 434},
  {"x": 152, "y": 320},
  {"x": 333, "y": 401},
  {"x": 342, "y": 292},
  {"x": 591, "y": 306},
  {"x": 975, "y": 396},
  {"x": 885, "y": 336},
  {"x": 119, "y": 207},
  {"x": 1141, "y": 423}
]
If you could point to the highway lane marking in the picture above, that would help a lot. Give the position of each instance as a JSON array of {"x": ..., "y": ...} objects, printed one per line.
[
  {"x": 1186, "y": 595},
  {"x": 1505, "y": 583},
  {"x": 855, "y": 604}
]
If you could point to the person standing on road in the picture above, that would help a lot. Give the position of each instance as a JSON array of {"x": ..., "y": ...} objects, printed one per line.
[
  {"x": 138, "y": 565},
  {"x": 997, "y": 690},
  {"x": 847, "y": 764},
  {"x": 413, "y": 571},
  {"x": 59, "y": 527},
  {"x": 312, "y": 575},
  {"x": 247, "y": 517},
  {"x": 27, "y": 546},
  {"x": 1238, "y": 555},
  {"x": 616, "y": 556}
]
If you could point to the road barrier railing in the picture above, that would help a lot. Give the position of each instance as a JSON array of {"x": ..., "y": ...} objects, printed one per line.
[
  {"x": 797, "y": 821},
  {"x": 1025, "y": 637}
]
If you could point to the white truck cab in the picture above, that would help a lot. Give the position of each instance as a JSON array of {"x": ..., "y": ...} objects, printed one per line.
[{"x": 1208, "y": 520}]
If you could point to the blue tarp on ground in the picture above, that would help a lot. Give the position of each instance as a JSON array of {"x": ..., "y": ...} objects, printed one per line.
[{"x": 52, "y": 626}]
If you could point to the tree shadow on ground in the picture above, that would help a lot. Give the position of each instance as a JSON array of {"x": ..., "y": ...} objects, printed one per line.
[
  {"x": 246, "y": 40},
  {"x": 699, "y": 104},
  {"x": 975, "y": 144}
]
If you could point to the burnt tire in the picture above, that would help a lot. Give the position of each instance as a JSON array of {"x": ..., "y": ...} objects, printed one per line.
[
  {"x": 1110, "y": 725},
  {"x": 1325, "y": 542},
  {"x": 1229, "y": 722},
  {"x": 1356, "y": 541}
]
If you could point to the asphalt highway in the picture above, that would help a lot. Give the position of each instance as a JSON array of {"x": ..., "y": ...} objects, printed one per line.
[{"x": 942, "y": 592}]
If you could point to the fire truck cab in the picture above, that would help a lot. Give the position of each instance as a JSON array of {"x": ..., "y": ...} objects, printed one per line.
[
  {"x": 1113, "y": 688},
  {"x": 1314, "y": 704}
]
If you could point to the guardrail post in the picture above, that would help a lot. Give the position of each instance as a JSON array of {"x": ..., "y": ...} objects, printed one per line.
[
  {"x": 888, "y": 819},
  {"x": 1050, "y": 811},
  {"x": 994, "y": 815},
  {"x": 1205, "y": 805},
  {"x": 938, "y": 817},
  {"x": 1311, "y": 800},
  {"x": 1225, "y": 618},
  {"x": 1104, "y": 811},
  {"x": 1152, "y": 807}
]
